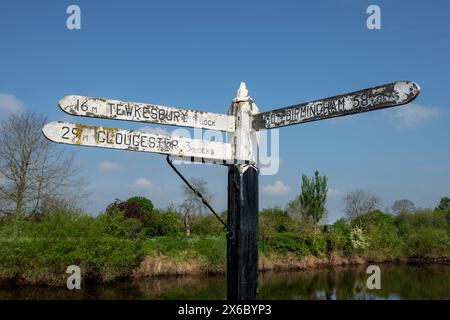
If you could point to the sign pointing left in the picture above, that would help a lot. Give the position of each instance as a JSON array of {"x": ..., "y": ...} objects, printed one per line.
[
  {"x": 105, "y": 137},
  {"x": 144, "y": 112}
]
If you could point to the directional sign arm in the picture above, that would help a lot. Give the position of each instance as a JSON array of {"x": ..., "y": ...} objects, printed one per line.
[
  {"x": 113, "y": 138},
  {"x": 385, "y": 96},
  {"x": 144, "y": 112}
]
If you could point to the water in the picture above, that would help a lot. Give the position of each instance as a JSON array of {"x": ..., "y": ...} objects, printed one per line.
[{"x": 397, "y": 282}]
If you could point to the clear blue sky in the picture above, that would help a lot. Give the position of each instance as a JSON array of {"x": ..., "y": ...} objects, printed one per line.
[{"x": 195, "y": 53}]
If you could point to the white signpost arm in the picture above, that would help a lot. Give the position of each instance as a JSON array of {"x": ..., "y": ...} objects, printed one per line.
[
  {"x": 385, "y": 96},
  {"x": 113, "y": 138},
  {"x": 145, "y": 112}
]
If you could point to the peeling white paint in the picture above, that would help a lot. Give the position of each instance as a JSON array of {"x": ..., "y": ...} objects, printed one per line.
[
  {"x": 143, "y": 112},
  {"x": 244, "y": 140},
  {"x": 385, "y": 96},
  {"x": 404, "y": 89},
  {"x": 113, "y": 138}
]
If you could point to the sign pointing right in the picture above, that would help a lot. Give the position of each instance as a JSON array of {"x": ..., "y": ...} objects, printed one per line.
[{"x": 385, "y": 96}]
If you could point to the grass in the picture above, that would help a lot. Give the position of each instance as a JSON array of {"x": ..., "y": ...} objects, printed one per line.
[{"x": 209, "y": 250}]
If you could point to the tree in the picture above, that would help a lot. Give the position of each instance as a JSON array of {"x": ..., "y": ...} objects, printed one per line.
[
  {"x": 145, "y": 203},
  {"x": 360, "y": 201},
  {"x": 403, "y": 206},
  {"x": 32, "y": 169},
  {"x": 313, "y": 197},
  {"x": 193, "y": 204},
  {"x": 444, "y": 204}
]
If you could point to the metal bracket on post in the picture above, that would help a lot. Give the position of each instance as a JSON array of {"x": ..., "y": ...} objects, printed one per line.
[{"x": 242, "y": 253}]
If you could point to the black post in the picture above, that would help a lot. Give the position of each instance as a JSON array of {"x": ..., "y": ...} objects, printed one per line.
[{"x": 242, "y": 250}]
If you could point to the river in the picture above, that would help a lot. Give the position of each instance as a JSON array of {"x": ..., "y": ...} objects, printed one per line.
[{"x": 397, "y": 282}]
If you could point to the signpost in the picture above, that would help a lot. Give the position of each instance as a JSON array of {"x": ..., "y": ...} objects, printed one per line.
[{"x": 243, "y": 123}]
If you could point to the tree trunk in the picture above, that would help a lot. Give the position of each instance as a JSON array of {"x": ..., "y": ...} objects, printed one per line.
[
  {"x": 187, "y": 224},
  {"x": 20, "y": 197}
]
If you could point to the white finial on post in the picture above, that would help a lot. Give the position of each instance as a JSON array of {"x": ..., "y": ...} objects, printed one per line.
[
  {"x": 242, "y": 94},
  {"x": 242, "y": 91}
]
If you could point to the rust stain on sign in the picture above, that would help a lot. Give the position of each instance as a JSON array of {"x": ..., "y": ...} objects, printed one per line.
[{"x": 113, "y": 138}]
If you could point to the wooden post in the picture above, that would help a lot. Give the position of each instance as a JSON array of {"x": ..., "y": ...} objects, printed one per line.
[
  {"x": 242, "y": 250},
  {"x": 242, "y": 254}
]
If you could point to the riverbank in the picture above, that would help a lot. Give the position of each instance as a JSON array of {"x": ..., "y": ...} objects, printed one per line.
[
  {"x": 112, "y": 246},
  {"x": 157, "y": 266}
]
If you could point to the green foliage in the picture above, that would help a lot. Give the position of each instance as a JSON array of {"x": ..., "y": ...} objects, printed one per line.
[
  {"x": 286, "y": 242},
  {"x": 139, "y": 208},
  {"x": 313, "y": 197},
  {"x": 303, "y": 238},
  {"x": 271, "y": 222},
  {"x": 340, "y": 237},
  {"x": 145, "y": 203},
  {"x": 447, "y": 216},
  {"x": 313, "y": 236},
  {"x": 380, "y": 232},
  {"x": 170, "y": 246},
  {"x": 207, "y": 225},
  {"x": 277, "y": 219},
  {"x": 138, "y": 216},
  {"x": 425, "y": 233},
  {"x": 214, "y": 252},
  {"x": 112, "y": 244},
  {"x": 162, "y": 222},
  {"x": 170, "y": 222},
  {"x": 41, "y": 251},
  {"x": 117, "y": 224},
  {"x": 444, "y": 204}
]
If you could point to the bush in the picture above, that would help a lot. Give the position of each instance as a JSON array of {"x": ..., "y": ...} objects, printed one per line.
[
  {"x": 340, "y": 237},
  {"x": 289, "y": 242},
  {"x": 207, "y": 225},
  {"x": 427, "y": 242},
  {"x": 381, "y": 233},
  {"x": 39, "y": 252},
  {"x": 425, "y": 233},
  {"x": 311, "y": 234},
  {"x": 213, "y": 250},
  {"x": 140, "y": 216},
  {"x": 170, "y": 223},
  {"x": 116, "y": 224},
  {"x": 146, "y": 204},
  {"x": 171, "y": 246},
  {"x": 135, "y": 207},
  {"x": 271, "y": 222},
  {"x": 151, "y": 223}
]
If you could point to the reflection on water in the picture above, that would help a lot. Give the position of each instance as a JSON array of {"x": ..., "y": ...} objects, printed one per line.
[{"x": 397, "y": 282}]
